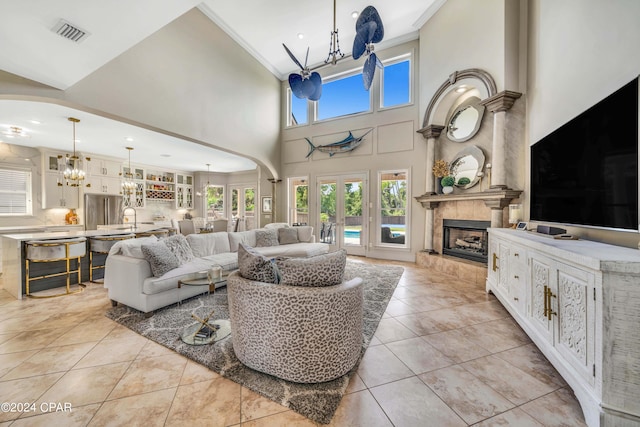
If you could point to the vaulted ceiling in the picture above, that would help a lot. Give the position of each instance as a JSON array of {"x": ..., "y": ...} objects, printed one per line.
[{"x": 31, "y": 49}]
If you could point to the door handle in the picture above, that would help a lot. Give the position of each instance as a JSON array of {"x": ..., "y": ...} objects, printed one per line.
[
  {"x": 495, "y": 264},
  {"x": 545, "y": 301},
  {"x": 550, "y": 311}
]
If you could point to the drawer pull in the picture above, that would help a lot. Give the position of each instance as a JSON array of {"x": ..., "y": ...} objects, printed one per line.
[
  {"x": 547, "y": 302},
  {"x": 495, "y": 264},
  {"x": 516, "y": 299},
  {"x": 516, "y": 254},
  {"x": 516, "y": 276}
]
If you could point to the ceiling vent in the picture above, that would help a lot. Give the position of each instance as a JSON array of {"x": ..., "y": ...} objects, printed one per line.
[{"x": 70, "y": 31}]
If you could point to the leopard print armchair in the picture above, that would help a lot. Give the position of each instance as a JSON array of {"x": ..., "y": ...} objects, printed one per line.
[{"x": 300, "y": 334}]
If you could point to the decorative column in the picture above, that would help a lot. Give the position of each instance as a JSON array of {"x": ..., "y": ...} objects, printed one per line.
[
  {"x": 499, "y": 104},
  {"x": 274, "y": 199},
  {"x": 430, "y": 133},
  {"x": 497, "y": 205}
]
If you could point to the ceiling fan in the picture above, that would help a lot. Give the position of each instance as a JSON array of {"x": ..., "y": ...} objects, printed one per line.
[
  {"x": 369, "y": 30},
  {"x": 305, "y": 84}
]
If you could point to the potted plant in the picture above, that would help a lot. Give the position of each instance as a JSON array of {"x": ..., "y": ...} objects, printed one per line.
[
  {"x": 447, "y": 184},
  {"x": 440, "y": 169}
]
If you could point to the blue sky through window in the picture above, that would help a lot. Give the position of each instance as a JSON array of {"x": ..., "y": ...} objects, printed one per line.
[
  {"x": 396, "y": 84},
  {"x": 346, "y": 96},
  {"x": 342, "y": 97},
  {"x": 298, "y": 110}
]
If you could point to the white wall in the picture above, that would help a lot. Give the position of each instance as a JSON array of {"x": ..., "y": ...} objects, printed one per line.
[
  {"x": 393, "y": 144},
  {"x": 190, "y": 80},
  {"x": 462, "y": 34},
  {"x": 580, "y": 51}
]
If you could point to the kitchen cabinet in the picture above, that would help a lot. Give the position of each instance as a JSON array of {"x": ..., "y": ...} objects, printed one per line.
[
  {"x": 137, "y": 197},
  {"x": 57, "y": 194},
  {"x": 579, "y": 302},
  {"x": 160, "y": 186},
  {"x": 103, "y": 185},
  {"x": 184, "y": 191},
  {"x": 55, "y": 191},
  {"x": 100, "y": 166}
]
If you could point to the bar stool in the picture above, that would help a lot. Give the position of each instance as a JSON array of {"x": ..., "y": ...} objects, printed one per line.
[
  {"x": 160, "y": 233},
  {"x": 102, "y": 245},
  {"x": 55, "y": 250}
]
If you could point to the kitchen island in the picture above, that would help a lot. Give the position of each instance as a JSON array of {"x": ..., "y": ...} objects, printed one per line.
[{"x": 13, "y": 262}]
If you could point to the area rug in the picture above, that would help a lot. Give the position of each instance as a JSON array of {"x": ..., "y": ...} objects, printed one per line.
[{"x": 317, "y": 402}]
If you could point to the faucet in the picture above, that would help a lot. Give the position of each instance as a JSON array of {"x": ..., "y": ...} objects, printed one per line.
[{"x": 135, "y": 216}]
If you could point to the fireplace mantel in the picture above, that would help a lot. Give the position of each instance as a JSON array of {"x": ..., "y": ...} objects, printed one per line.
[{"x": 494, "y": 199}]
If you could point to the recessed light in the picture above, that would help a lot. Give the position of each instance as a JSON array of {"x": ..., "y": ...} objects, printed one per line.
[
  {"x": 300, "y": 36},
  {"x": 36, "y": 122},
  {"x": 354, "y": 14},
  {"x": 128, "y": 139},
  {"x": 165, "y": 155}
]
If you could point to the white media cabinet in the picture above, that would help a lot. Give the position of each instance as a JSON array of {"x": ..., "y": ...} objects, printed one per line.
[{"x": 579, "y": 302}]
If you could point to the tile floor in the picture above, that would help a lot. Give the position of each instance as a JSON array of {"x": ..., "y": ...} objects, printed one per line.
[{"x": 445, "y": 354}]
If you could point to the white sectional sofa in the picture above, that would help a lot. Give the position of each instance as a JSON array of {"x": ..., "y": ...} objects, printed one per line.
[{"x": 129, "y": 279}]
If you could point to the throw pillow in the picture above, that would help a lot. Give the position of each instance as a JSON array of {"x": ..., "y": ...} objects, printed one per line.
[
  {"x": 131, "y": 247},
  {"x": 276, "y": 225},
  {"x": 319, "y": 270},
  {"x": 305, "y": 233},
  {"x": 160, "y": 258},
  {"x": 287, "y": 236},
  {"x": 253, "y": 266},
  {"x": 266, "y": 238},
  {"x": 179, "y": 246}
]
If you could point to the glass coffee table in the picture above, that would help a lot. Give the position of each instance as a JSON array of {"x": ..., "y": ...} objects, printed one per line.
[{"x": 205, "y": 331}]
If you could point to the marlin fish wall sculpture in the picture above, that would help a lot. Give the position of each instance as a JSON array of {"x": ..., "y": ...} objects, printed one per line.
[{"x": 347, "y": 144}]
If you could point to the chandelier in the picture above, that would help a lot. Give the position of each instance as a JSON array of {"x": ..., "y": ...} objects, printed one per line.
[
  {"x": 128, "y": 186},
  {"x": 335, "y": 54},
  {"x": 73, "y": 173},
  {"x": 14, "y": 132},
  {"x": 203, "y": 190}
]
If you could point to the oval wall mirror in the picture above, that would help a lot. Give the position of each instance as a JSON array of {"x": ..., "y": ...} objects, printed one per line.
[
  {"x": 465, "y": 120},
  {"x": 466, "y": 165}
]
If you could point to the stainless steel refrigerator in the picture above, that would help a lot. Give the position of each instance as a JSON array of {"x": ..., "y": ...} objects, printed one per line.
[{"x": 101, "y": 210}]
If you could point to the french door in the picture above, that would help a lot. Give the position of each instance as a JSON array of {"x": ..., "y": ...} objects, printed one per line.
[
  {"x": 243, "y": 207},
  {"x": 343, "y": 211}
]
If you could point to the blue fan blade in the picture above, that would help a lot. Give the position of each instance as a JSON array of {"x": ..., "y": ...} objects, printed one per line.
[
  {"x": 293, "y": 58},
  {"x": 370, "y": 14},
  {"x": 368, "y": 30},
  {"x": 368, "y": 71},
  {"x": 316, "y": 80},
  {"x": 378, "y": 62},
  {"x": 359, "y": 46},
  {"x": 295, "y": 83}
]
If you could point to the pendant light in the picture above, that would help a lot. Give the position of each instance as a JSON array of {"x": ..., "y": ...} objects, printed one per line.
[
  {"x": 128, "y": 186},
  {"x": 73, "y": 173}
]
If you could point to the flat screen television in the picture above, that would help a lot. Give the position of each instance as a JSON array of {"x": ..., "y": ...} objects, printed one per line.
[{"x": 586, "y": 172}]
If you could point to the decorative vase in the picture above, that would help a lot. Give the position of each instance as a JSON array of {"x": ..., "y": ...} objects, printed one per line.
[
  {"x": 439, "y": 185},
  {"x": 447, "y": 190}
]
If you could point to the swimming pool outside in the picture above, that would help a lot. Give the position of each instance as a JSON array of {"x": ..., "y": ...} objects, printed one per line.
[{"x": 352, "y": 237}]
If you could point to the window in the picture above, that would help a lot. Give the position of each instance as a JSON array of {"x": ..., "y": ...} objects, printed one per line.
[
  {"x": 299, "y": 200},
  {"x": 396, "y": 82},
  {"x": 342, "y": 97},
  {"x": 393, "y": 195},
  {"x": 215, "y": 202},
  {"x": 298, "y": 110},
  {"x": 15, "y": 192}
]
